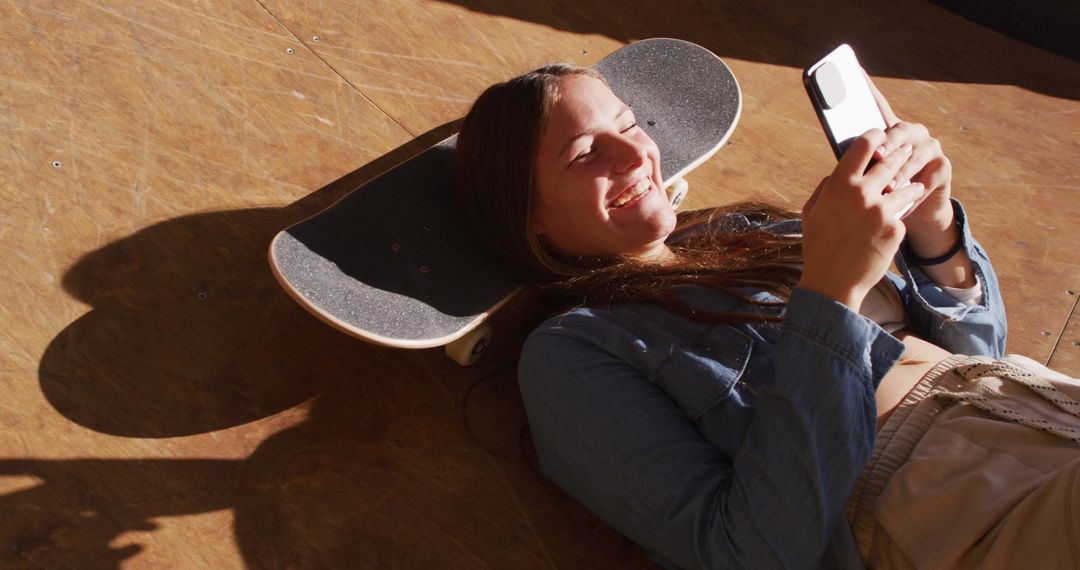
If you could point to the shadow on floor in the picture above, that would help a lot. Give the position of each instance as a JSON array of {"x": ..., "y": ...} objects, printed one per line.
[
  {"x": 1050, "y": 24},
  {"x": 387, "y": 474},
  {"x": 190, "y": 333},
  {"x": 910, "y": 40},
  {"x": 393, "y": 458}
]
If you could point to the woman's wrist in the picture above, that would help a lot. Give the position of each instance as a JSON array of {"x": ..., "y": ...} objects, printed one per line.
[
  {"x": 937, "y": 248},
  {"x": 932, "y": 261},
  {"x": 842, "y": 293},
  {"x": 933, "y": 238}
]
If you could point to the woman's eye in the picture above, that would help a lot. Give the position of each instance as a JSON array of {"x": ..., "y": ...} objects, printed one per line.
[
  {"x": 632, "y": 125},
  {"x": 583, "y": 154}
]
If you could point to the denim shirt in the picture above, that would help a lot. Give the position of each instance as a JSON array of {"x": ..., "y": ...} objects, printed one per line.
[{"x": 719, "y": 446}]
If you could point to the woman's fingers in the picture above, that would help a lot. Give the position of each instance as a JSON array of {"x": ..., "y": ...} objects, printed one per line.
[
  {"x": 899, "y": 201},
  {"x": 901, "y": 133},
  {"x": 883, "y": 105},
  {"x": 859, "y": 154},
  {"x": 936, "y": 173},
  {"x": 927, "y": 163},
  {"x": 885, "y": 170}
]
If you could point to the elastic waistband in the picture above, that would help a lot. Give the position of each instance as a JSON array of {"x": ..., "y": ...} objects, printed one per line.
[{"x": 897, "y": 439}]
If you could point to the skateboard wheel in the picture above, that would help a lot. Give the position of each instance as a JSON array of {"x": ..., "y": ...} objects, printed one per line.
[
  {"x": 677, "y": 192},
  {"x": 469, "y": 348}
]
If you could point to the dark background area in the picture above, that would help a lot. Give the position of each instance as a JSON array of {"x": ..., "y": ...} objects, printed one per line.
[{"x": 1051, "y": 25}]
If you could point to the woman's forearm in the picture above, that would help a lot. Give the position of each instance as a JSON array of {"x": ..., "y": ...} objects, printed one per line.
[{"x": 934, "y": 239}]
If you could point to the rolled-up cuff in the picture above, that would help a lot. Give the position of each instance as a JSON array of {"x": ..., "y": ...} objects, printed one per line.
[
  {"x": 934, "y": 297},
  {"x": 826, "y": 324}
]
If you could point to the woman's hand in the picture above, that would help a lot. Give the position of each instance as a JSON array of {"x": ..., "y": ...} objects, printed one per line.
[
  {"x": 931, "y": 215},
  {"x": 931, "y": 231},
  {"x": 850, "y": 226}
]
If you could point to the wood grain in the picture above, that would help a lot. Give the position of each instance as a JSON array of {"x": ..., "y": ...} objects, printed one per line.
[
  {"x": 164, "y": 404},
  {"x": 1066, "y": 356}
]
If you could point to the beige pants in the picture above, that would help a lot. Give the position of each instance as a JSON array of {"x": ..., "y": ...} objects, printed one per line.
[{"x": 979, "y": 467}]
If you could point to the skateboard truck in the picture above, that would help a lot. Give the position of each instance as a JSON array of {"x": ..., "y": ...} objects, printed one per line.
[
  {"x": 469, "y": 348},
  {"x": 677, "y": 192}
]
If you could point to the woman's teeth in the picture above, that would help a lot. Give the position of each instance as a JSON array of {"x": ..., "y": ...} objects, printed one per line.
[{"x": 638, "y": 189}]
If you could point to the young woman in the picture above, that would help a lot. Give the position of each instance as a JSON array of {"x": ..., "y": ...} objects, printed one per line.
[{"x": 738, "y": 388}]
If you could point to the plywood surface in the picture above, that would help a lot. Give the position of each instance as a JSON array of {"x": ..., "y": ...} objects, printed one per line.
[
  {"x": 1066, "y": 355},
  {"x": 164, "y": 404}
]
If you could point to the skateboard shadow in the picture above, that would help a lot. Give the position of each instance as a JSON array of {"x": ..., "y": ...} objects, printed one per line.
[
  {"x": 190, "y": 333},
  {"x": 908, "y": 40}
]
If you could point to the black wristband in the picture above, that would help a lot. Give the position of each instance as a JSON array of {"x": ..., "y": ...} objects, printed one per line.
[{"x": 956, "y": 247}]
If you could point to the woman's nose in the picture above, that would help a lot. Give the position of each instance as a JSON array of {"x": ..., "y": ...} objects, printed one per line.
[{"x": 630, "y": 155}]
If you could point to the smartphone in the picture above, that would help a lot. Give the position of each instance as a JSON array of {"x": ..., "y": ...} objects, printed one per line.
[{"x": 842, "y": 98}]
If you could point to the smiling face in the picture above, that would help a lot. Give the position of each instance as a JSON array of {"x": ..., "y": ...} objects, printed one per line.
[{"x": 598, "y": 185}]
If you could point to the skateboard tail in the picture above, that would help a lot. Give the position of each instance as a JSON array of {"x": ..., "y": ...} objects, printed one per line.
[{"x": 372, "y": 337}]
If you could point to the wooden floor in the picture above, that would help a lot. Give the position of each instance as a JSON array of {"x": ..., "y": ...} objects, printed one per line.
[{"x": 165, "y": 405}]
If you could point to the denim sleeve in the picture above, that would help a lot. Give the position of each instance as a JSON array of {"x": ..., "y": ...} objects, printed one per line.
[
  {"x": 618, "y": 444},
  {"x": 939, "y": 318}
]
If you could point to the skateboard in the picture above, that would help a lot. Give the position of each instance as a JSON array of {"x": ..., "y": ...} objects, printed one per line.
[{"x": 393, "y": 262}]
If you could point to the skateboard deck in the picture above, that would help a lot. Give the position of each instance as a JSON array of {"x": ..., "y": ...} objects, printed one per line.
[{"x": 394, "y": 263}]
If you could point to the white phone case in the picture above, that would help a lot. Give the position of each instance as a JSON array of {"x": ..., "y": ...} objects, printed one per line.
[{"x": 842, "y": 98}]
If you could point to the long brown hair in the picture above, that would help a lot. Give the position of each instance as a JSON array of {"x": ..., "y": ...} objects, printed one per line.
[{"x": 496, "y": 182}]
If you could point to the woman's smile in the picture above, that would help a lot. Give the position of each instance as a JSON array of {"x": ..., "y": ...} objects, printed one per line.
[{"x": 631, "y": 195}]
